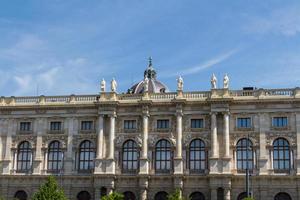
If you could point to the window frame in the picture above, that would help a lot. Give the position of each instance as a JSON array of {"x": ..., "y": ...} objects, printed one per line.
[
  {"x": 283, "y": 148},
  {"x": 278, "y": 126},
  {"x": 161, "y": 122},
  {"x": 92, "y": 125},
  {"x": 26, "y": 154},
  {"x": 201, "y": 123},
  {"x": 55, "y": 157},
  {"x": 163, "y": 151},
  {"x": 197, "y": 150},
  {"x": 242, "y": 156},
  {"x": 128, "y": 151},
  {"x": 244, "y": 118},
  {"x": 131, "y": 122},
  {"x": 88, "y": 164}
]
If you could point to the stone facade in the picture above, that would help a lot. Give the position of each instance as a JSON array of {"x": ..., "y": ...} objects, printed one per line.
[{"x": 218, "y": 111}]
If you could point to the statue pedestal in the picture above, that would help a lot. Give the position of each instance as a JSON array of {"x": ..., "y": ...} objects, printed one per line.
[
  {"x": 100, "y": 166},
  {"x": 144, "y": 166},
  {"x": 110, "y": 166},
  {"x": 178, "y": 166},
  {"x": 6, "y": 167}
]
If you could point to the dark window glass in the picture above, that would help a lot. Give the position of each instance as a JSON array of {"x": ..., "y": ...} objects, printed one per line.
[
  {"x": 280, "y": 121},
  {"x": 87, "y": 125},
  {"x": 196, "y": 123},
  {"x": 242, "y": 196},
  {"x": 21, "y": 195},
  {"x": 83, "y": 195},
  {"x": 162, "y": 123},
  {"x": 129, "y": 196},
  {"x": 197, "y": 156},
  {"x": 55, "y": 156},
  {"x": 163, "y": 156},
  {"x": 130, "y": 156},
  {"x": 244, "y": 122},
  {"x": 55, "y": 126},
  {"x": 86, "y": 156},
  {"x": 220, "y": 193},
  {"x": 241, "y": 154},
  {"x": 197, "y": 196},
  {"x": 281, "y": 154},
  {"x": 25, "y": 126},
  {"x": 129, "y": 124},
  {"x": 24, "y": 157},
  {"x": 282, "y": 196},
  {"x": 161, "y": 196}
]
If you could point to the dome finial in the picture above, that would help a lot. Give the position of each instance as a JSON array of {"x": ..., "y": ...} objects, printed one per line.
[{"x": 150, "y": 62}]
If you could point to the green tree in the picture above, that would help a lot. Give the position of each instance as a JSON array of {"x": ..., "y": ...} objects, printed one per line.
[
  {"x": 248, "y": 198},
  {"x": 49, "y": 191},
  {"x": 175, "y": 195},
  {"x": 113, "y": 196}
]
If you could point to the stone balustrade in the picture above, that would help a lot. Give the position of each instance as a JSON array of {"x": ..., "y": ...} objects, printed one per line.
[{"x": 201, "y": 95}]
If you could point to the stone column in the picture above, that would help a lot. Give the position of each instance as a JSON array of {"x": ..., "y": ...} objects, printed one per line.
[
  {"x": 100, "y": 137},
  {"x": 213, "y": 194},
  {"x": 227, "y": 194},
  {"x": 112, "y": 137},
  {"x": 263, "y": 156},
  {"x": 40, "y": 127},
  {"x": 110, "y": 167},
  {"x": 71, "y": 124},
  {"x": 178, "y": 164},
  {"x": 97, "y": 193},
  {"x": 214, "y": 139},
  {"x": 226, "y": 135},
  {"x": 297, "y": 163},
  {"x": 144, "y": 163},
  {"x": 7, "y": 162},
  {"x": 143, "y": 183}
]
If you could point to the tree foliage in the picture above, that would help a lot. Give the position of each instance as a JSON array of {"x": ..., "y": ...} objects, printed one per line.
[
  {"x": 175, "y": 195},
  {"x": 248, "y": 198},
  {"x": 49, "y": 191},
  {"x": 113, "y": 196}
]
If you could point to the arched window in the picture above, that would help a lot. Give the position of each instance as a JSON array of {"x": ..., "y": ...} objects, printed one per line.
[
  {"x": 161, "y": 196},
  {"x": 130, "y": 156},
  {"x": 242, "y": 196},
  {"x": 21, "y": 195},
  {"x": 83, "y": 195},
  {"x": 129, "y": 196},
  {"x": 282, "y": 196},
  {"x": 24, "y": 157},
  {"x": 163, "y": 156},
  {"x": 55, "y": 156},
  {"x": 241, "y": 154},
  {"x": 197, "y": 156},
  {"x": 86, "y": 156},
  {"x": 197, "y": 196},
  {"x": 281, "y": 155},
  {"x": 103, "y": 191}
]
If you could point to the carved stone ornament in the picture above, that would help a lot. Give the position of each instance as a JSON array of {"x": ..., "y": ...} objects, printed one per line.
[
  {"x": 51, "y": 137},
  {"x": 17, "y": 139},
  {"x": 271, "y": 136},
  {"x": 77, "y": 139},
  {"x": 120, "y": 139},
  {"x": 153, "y": 139},
  {"x": 188, "y": 137},
  {"x": 235, "y": 137}
]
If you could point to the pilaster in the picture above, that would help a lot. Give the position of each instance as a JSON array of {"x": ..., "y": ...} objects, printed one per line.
[
  {"x": 144, "y": 163},
  {"x": 178, "y": 162},
  {"x": 263, "y": 156},
  {"x": 41, "y": 126},
  {"x": 297, "y": 163},
  {"x": 72, "y": 127},
  {"x": 99, "y": 162}
]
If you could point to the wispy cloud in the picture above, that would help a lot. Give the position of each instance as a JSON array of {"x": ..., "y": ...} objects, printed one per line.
[
  {"x": 204, "y": 65},
  {"x": 284, "y": 21}
]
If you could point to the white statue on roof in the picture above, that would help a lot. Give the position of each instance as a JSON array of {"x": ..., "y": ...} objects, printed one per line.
[
  {"x": 180, "y": 83},
  {"x": 226, "y": 82},
  {"x": 114, "y": 85},
  {"x": 213, "y": 81},
  {"x": 103, "y": 85},
  {"x": 146, "y": 84}
]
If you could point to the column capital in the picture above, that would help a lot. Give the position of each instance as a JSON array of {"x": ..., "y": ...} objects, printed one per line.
[
  {"x": 226, "y": 113},
  {"x": 112, "y": 115},
  {"x": 179, "y": 113},
  {"x": 213, "y": 113}
]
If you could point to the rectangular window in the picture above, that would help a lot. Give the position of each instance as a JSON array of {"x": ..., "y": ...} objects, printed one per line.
[
  {"x": 280, "y": 122},
  {"x": 196, "y": 123},
  {"x": 163, "y": 124},
  {"x": 86, "y": 125},
  {"x": 55, "y": 126},
  {"x": 129, "y": 124},
  {"x": 244, "y": 122},
  {"x": 25, "y": 126}
]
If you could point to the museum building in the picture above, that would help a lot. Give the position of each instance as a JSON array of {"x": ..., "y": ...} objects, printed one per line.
[{"x": 149, "y": 141}]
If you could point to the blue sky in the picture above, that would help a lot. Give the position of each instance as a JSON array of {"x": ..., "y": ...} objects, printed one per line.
[{"x": 58, "y": 47}]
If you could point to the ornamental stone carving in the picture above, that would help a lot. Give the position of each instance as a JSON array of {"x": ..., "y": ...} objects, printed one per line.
[
  {"x": 47, "y": 139},
  {"x": 271, "y": 136},
  {"x": 235, "y": 137},
  {"x": 77, "y": 139},
  {"x": 17, "y": 139},
  {"x": 188, "y": 137},
  {"x": 121, "y": 138}
]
